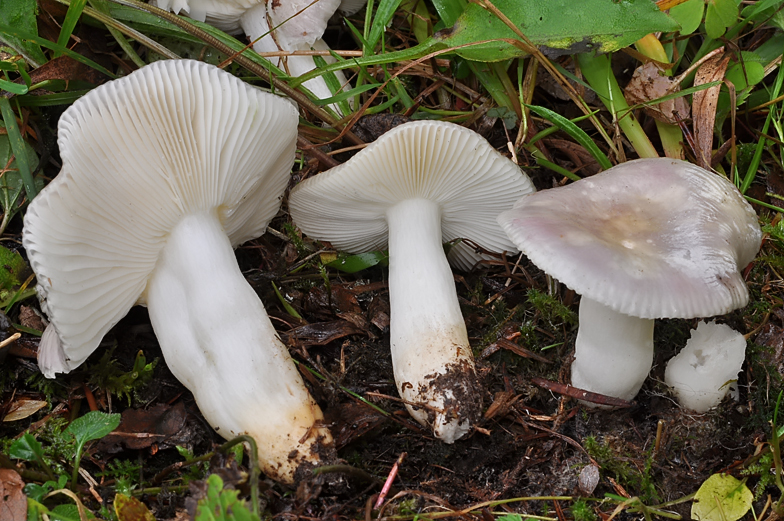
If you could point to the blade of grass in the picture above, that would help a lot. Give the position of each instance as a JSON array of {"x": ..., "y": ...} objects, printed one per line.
[
  {"x": 575, "y": 132},
  {"x": 18, "y": 147},
  {"x": 751, "y": 173},
  {"x": 598, "y": 73},
  {"x": 71, "y": 17},
  {"x": 43, "y": 42},
  {"x": 384, "y": 13}
]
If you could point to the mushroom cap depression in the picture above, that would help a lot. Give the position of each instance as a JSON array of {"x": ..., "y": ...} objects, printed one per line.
[
  {"x": 139, "y": 153},
  {"x": 650, "y": 238},
  {"x": 442, "y": 162}
]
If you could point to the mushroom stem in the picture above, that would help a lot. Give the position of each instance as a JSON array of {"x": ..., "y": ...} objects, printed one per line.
[
  {"x": 255, "y": 24},
  {"x": 431, "y": 355},
  {"x": 218, "y": 341},
  {"x": 613, "y": 353}
]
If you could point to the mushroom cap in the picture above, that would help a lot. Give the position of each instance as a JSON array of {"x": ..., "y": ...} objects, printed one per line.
[
  {"x": 139, "y": 153},
  {"x": 443, "y": 162},
  {"x": 651, "y": 238}
]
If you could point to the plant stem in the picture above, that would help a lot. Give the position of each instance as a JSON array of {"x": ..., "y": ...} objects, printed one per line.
[{"x": 598, "y": 73}]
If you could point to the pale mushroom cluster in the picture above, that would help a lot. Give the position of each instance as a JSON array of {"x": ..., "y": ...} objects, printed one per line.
[{"x": 168, "y": 169}]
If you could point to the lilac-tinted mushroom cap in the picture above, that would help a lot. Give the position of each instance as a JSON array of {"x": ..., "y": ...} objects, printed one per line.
[{"x": 650, "y": 238}]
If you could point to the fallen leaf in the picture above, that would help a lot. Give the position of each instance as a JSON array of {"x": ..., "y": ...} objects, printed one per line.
[
  {"x": 162, "y": 425},
  {"x": 23, "y": 408},
  {"x": 704, "y": 106},
  {"x": 131, "y": 509},
  {"x": 13, "y": 502},
  {"x": 321, "y": 333},
  {"x": 649, "y": 83},
  {"x": 721, "y": 498}
]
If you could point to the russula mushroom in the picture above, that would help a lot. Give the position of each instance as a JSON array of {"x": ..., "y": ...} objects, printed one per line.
[
  {"x": 164, "y": 172},
  {"x": 651, "y": 238},
  {"x": 274, "y": 26},
  {"x": 419, "y": 185},
  {"x": 700, "y": 375}
]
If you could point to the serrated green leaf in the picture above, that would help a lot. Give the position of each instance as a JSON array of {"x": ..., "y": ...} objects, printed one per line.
[
  {"x": 21, "y": 14},
  {"x": 221, "y": 504},
  {"x": 721, "y": 498},
  {"x": 689, "y": 15}
]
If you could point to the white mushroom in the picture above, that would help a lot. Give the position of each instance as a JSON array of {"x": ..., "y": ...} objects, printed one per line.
[
  {"x": 701, "y": 374},
  {"x": 274, "y": 25},
  {"x": 420, "y": 185},
  {"x": 164, "y": 172},
  {"x": 650, "y": 238}
]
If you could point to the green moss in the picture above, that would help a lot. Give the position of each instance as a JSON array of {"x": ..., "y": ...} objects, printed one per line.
[{"x": 550, "y": 308}]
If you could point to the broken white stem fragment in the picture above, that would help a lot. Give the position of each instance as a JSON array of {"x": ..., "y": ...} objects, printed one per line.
[{"x": 701, "y": 374}]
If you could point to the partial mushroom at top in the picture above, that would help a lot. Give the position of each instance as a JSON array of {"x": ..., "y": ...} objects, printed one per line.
[
  {"x": 164, "y": 172},
  {"x": 651, "y": 238},
  {"x": 418, "y": 186},
  {"x": 273, "y": 26}
]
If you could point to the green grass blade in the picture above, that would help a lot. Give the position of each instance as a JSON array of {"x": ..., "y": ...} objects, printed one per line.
[
  {"x": 576, "y": 132},
  {"x": 18, "y": 146},
  {"x": 384, "y": 13},
  {"x": 71, "y": 17}
]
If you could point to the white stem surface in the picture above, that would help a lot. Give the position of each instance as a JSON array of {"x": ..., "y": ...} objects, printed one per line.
[
  {"x": 255, "y": 24},
  {"x": 431, "y": 355},
  {"x": 613, "y": 353},
  {"x": 218, "y": 341}
]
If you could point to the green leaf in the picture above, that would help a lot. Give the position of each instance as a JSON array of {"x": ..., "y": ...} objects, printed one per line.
[
  {"x": 576, "y": 132},
  {"x": 720, "y": 15},
  {"x": 221, "y": 504},
  {"x": 563, "y": 26},
  {"x": 689, "y": 15},
  {"x": 721, "y": 498},
  {"x": 354, "y": 263},
  {"x": 449, "y": 10},
  {"x": 21, "y": 14},
  {"x": 749, "y": 71},
  {"x": 92, "y": 426},
  {"x": 26, "y": 448},
  {"x": 288, "y": 307}
]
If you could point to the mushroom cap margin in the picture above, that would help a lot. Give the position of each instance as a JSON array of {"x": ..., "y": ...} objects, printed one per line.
[{"x": 650, "y": 238}]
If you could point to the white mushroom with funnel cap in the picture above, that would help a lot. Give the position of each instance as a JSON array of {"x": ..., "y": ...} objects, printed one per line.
[
  {"x": 164, "y": 172},
  {"x": 650, "y": 238},
  {"x": 274, "y": 26},
  {"x": 419, "y": 185}
]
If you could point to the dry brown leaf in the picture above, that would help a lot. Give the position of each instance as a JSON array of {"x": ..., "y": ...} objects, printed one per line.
[
  {"x": 704, "y": 106},
  {"x": 23, "y": 408},
  {"x": 13, "y": 502},
  {"x": 647, "y": 84}
]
